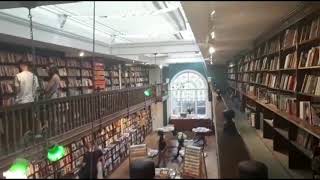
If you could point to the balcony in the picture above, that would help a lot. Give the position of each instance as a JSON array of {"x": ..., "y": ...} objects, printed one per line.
[{"x": 26, "y": 127}]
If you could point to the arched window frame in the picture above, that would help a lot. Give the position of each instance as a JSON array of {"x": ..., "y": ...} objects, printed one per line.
[{"x": 173, "y": 92}]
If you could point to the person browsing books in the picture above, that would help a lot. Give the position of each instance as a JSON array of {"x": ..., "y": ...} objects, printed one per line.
[
  {"x": 52, "y": 89},
  {"x": 26, "y": 84}
]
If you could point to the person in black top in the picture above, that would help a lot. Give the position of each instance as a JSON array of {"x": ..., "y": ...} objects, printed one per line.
[
  {"x": 91, "y": 158},
  {"x": 161, "y": 148}
]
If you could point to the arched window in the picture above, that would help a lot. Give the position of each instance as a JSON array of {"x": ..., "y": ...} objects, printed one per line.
[{"x": 189, "y": 93}]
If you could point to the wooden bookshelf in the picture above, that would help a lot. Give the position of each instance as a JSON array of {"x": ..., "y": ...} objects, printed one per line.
[
  {"x": 293, "y": 66},
  {"x": 114, "y": 139}
]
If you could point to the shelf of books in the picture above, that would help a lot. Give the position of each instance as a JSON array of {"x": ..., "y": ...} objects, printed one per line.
[
  {"x": 87, "y": 77},
  {"x": 114, "y": 139},
  {"x": 279, "y": 85}
]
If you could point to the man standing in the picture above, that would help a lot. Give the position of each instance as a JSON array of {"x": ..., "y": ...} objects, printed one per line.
[{"x": 26, "y": 84}]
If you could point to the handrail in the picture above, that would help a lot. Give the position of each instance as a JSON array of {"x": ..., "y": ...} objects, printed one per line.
[{"x": 61, "y": 115}]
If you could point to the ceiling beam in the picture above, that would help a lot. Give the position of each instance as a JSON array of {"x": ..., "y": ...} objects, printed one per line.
[{"x": 148, "y": 48}]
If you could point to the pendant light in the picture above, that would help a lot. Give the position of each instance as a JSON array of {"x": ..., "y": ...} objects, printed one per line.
[
  {"x": 18, "y": 170},
  {"x": 148, "y": 92},
  {"x": 55, "y": 153}
]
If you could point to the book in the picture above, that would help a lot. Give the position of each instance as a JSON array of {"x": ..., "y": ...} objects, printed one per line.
[
  {"x": 315, "y": 114},
  {"x": 314, "y": 28},
  {"x": 305, "y": 111}
]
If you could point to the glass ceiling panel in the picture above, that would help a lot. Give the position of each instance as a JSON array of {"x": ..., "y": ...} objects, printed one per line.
[{"x": 129, "y": 21}]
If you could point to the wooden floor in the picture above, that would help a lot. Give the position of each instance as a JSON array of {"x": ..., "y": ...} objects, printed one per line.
[{"x": 211, "y": 160}]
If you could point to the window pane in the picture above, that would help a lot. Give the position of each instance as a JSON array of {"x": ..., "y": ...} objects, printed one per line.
[
  {"x": 201, "y": 103},
  {"x": 201, "y": 110}
]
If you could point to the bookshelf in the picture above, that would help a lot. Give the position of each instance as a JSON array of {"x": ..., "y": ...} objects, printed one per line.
[
  {"x": 280, "y": 79},
  {"x": 114, "y": 139},
  {"x": 78, "y": 75}
]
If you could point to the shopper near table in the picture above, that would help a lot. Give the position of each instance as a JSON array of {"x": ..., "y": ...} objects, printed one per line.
[
  {"x": 162, "y": 149},
  {"x": 53, "y": 87},
  {"x": 26, "y": 84},
  {"x": 181, "y": 137}
]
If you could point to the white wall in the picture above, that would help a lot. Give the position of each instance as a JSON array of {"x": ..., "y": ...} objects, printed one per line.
[{"x": 157, "y": 115}]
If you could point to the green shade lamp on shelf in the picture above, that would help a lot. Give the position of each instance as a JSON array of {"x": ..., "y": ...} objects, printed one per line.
[
  {"x": 18, "y": 170},
  {"x": 148, "y": 92},
  {"x": 55, "y": 153}
]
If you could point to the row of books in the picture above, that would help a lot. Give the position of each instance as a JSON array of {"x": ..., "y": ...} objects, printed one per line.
[
  {"x": 272, "y": 47},
  {"x": 310, "y": 58},
  {"x": 9, "y": 71},
  {"x": 306, "y": 140},
  {"x": 42, "y": 72},
  {"x": 231, "y": 70},
  {"x": 86, "y": 64},
  {"x": 262, "y": 64},
  {"x": 6, "y": 87},
  {"x": 288, "y": 82},
  {"x": 231, "y": 76},
  {"x": 290, "y": 37},
  {"x": 62, "y": 72},
  {"x": 73, "y": 63},
  {"x": 86, "y": 73},
  {"x": 270, "y": 64},
  {"x": 84, "y": 82},
  {"x": 287, "y": 104},
  {"x": 310, "y": 30},
  {"x": 311, "y": 85},
  {"x": 309, "y": 112},
  {"x": 74, "y": 72},
  {"x": 290, "y": 61}
]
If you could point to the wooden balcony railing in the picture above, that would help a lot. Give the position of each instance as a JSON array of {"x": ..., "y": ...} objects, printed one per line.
[{"x": 61, "y": 115}]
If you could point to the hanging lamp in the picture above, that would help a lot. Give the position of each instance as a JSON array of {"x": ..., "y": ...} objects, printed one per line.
[
  {"x": 18, "y": 170},
  {"x": 55, "y": 153}
]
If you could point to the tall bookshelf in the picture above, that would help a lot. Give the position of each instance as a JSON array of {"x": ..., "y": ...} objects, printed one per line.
[
  {"x": 114, "y": 139},
  {"x": 279, "y": 82},
  {"x": 77, "y": 74}
]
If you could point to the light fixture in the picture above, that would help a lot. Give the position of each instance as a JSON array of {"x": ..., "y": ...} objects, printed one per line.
[
  {"x": 133, "y": 61},
  {"x": 213, "y": 12},
  {"x": 212, "y": 50},
  {"x": 212, "y": 35},
  {"x": 55, "y": 153},
  {"x": 160, "y": 66},
  {"x": 18, "y": 170},
  {"x": 81, "y": 54},
  {"x": 148, "y": 92}
]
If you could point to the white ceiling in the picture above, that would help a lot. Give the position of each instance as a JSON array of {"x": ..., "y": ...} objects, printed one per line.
[
  {"x": 131, "y": 29},
  {"x": 138, "y": 29},
  {"x": 125, "y": 22},
  {"x": 236, "y": 23}
]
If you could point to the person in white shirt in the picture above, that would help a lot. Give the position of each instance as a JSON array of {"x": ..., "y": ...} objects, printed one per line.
[{"x": 26, "y": 84}]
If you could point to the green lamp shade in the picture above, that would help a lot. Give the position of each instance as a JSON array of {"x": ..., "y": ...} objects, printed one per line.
[
  {"x": 148, "y": 92},
  {"x": 18, "y": 170},
  {"x": 56, "y": 153}
]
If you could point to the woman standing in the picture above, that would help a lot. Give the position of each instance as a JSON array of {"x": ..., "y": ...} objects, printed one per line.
[{"x": 53, "y": 88}]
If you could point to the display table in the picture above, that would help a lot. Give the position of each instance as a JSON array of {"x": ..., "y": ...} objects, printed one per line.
[
  {"x": 187, "y": 123},
  {"x": 201, "y": 133},
  {"x": 152, "y": 153},
  {"x": 166, "y": 129},
  {"x": 167, "y": 173}
]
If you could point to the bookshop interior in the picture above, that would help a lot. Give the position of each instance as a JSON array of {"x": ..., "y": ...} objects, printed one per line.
[{"x": 159, "y": 89}]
